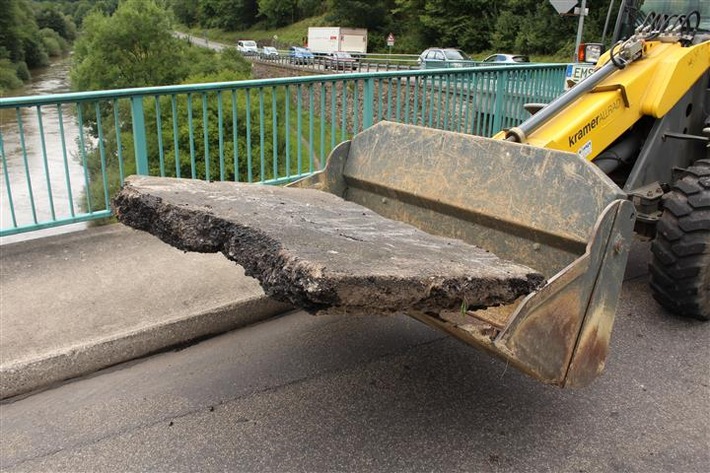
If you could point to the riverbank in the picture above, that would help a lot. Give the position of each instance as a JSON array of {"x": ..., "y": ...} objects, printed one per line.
[
  {"x": 50, "y": 79},
  {"x": 35, "y": 157}
]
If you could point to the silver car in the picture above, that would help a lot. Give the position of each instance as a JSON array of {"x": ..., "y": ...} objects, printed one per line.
[
  {"x": 507, "y": 58},
  {"x": 269, "y": 52},
  {"x": 437, "y": 58}
]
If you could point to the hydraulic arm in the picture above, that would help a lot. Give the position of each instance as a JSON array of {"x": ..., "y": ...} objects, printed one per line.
[{"x": 644, "y": 76}]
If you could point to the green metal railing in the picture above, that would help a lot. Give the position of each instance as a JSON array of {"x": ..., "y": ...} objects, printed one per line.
[{"x": 64, "y": 156}]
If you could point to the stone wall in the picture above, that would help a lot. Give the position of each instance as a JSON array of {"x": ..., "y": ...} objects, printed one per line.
[{"x": 267, "y": 69}]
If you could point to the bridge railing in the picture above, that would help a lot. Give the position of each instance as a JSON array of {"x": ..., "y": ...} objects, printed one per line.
[
  {"x": 65, "y": 155},
  {"x": 362, "y": 63}
]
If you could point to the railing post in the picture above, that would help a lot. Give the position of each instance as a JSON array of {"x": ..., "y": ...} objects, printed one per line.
[
  {"x": 139, "y": 139},
  {"x": 368, "y": 106},
  {"x": 501, "y": 85}
]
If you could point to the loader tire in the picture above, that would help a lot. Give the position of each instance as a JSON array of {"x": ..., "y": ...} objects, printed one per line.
[{"x": 680, "y": 266}]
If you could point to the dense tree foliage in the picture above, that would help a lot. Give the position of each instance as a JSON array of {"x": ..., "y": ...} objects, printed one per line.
[
  {"x": 30, "y": 32},
  {"x": 232, "y": 15},
  {"x": 359, "y": 13},
  {"x": 465, "y": 23},
  {"x": 227, "y": 14},
  {"x": 278, "y": 12},
  {"x": 133, "y": 47}
]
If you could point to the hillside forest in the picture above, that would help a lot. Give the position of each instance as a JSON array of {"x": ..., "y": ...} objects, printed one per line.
[
  {"x": 514, "y": 26},
  {"x": 31, "y": 32}
]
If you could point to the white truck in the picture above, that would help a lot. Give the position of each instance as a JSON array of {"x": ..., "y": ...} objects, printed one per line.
[{"x": 329, "y": 39}]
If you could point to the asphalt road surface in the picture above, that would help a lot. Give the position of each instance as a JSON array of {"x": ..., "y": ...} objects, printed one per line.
[
  {"x": 301, "y": 393},
  {"x": 205, "y": 42}
]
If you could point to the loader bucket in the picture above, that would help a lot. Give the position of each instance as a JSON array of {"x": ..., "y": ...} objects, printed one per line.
[{"x": 549, "y": 210}]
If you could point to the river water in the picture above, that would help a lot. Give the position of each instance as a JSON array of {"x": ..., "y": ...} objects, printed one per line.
[{"x": 66, "y": 176}]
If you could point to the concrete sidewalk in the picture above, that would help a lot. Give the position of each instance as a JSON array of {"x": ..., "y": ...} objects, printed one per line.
[{"x": 75, "y": 303}]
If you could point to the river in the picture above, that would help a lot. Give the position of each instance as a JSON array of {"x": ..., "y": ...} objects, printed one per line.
[{"x": 65, "y": 178}]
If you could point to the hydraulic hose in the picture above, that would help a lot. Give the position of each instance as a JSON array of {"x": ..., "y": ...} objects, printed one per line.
[{"x": 618, "y": 154}]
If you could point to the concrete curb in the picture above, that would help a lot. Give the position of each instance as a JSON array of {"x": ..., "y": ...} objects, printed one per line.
[{"x": 25, "y": 376}]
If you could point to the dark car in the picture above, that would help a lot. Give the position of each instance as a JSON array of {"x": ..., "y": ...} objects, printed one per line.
[
  {"x": 300, "y": 55},
  {"x": 437, "y": 58},
  {"x": 506, "y": 59},
  {"x": 339, "y": 60}
]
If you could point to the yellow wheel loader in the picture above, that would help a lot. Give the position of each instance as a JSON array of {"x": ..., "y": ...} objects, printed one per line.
[
  {"x": 642, "y": 118},
  {"x": 554, "y": 203}
]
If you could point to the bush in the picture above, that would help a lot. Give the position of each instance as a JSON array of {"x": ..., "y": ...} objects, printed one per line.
[
  {"x": 35, "y": 54},
  {"x": 8, "y": 76},
  {"x": 51, "y": 45},
  {"x": 22, "y": 71},
  {"x": 54, "y": 44}
]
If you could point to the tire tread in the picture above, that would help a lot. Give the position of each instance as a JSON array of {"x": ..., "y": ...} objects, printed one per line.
[{"x": 680, "y": 266}]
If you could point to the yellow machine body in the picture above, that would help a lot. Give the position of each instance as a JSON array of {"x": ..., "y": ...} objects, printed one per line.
[{"x": 649, "y": 86}]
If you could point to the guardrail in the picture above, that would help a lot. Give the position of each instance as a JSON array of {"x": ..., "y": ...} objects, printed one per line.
[
  {"x": 360, "y": 63},
  {"x": 63, "y": 156},
  {"x": 366, "y": 62}
]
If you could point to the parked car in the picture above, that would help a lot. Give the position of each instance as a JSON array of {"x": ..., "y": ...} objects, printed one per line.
[
  {"x": 300, "y": 55},
  {"x": 247, "y": 47},
  {"x": 339, "y": 60},
  {"x": 506, "y": 58},
  {"x": 437, "y": 58},
  {"x": 269, "y": 52}
]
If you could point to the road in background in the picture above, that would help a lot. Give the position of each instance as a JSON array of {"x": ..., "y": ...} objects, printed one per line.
[
  {"x": 202, "y": 41},
  {"x": 338, "y": 393},
  {"x": 366, "y": 63}
]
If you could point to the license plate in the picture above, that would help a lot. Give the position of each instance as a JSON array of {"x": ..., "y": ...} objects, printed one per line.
[{"x": 577, "y": 72}]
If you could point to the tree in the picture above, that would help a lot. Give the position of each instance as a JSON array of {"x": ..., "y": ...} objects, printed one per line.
[
  {"x": 186, "y": 11},
  {"x": 230, "y": 15},
  {"x": 544, "y": 31},
  {"x": 533, "y": 27},
  {"x": 463, "y": 24},
  {"x": 278, "y": 12},
  {"x": 132, "y": 48},
  {"x": 19, "y": 34},
  {"x": 408, "y": 26},
  {"x": 307, "y": 8},
  {"x": 78, "y": 11},
  {"x": 10, "y": 29},
  {"x": 49, "y": 16},
  {"x": 372, "y": 15}
]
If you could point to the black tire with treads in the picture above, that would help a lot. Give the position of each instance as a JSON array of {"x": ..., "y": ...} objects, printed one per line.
[{"x": 680, "y": 267}]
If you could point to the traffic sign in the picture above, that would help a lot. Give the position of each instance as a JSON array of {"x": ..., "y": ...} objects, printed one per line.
[
  {"x": 390, "y": 40},
  {"x": 563, "y": 6}
]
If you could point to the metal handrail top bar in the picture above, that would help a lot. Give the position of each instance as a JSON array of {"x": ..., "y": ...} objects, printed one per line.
[{"x": 74, "y": 97}]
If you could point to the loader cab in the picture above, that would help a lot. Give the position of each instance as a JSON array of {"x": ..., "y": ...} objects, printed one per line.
[{"x": 632, "y": 13}]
